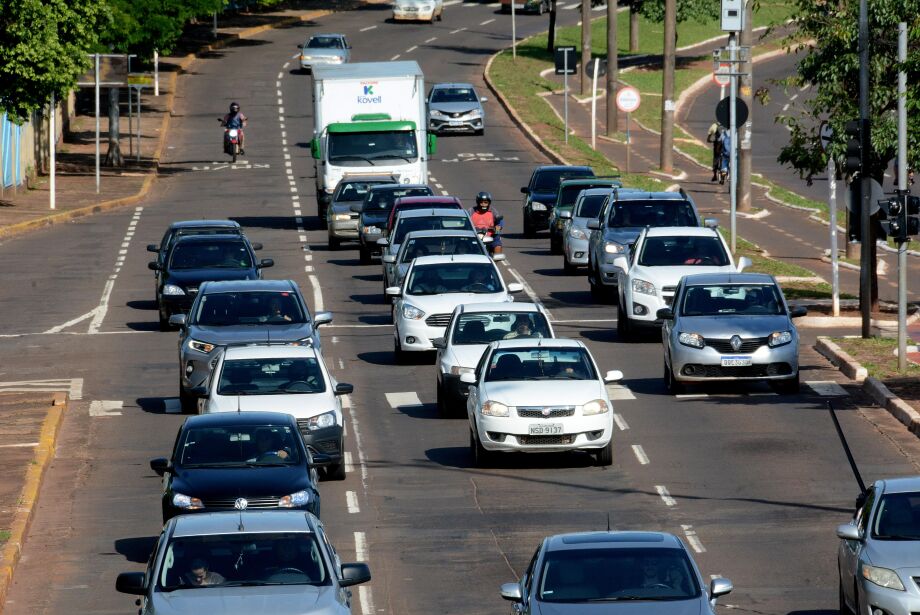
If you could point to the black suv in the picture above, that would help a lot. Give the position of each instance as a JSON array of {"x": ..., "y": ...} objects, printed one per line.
[{"x": 540, "y": 194}]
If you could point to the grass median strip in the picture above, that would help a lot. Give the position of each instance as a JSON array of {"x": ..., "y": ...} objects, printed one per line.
[{"x": 877, "y": 355}]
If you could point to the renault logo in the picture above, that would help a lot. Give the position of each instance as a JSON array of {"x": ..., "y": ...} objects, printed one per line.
[
  {"x": 240, "y": 504},
  {"x": 736, "y": 343}
]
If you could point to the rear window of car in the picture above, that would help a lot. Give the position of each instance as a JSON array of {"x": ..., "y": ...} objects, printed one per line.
[
  {"x": 429, "y": 246},
  {"x": 548, "y": 180},
  {"x": 404, "y": 226},
  {"x": 383, "y": 200}
]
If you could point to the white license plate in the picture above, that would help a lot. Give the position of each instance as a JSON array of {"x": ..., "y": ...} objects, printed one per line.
[
  {"x": 545, "y": 429},
  {"x": 456, "y": 123},
  {"x": 736, "y": 361}
]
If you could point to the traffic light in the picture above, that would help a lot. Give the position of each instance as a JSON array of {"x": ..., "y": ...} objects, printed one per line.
[
  {"x": 858, "y": 144},
  {"x": 902, "y": 217}
]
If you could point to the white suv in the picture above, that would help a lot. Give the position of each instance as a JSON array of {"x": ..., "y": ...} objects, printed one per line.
[
  {"x": 660, "y": 258},
  {"x": 432, "y": 288}
]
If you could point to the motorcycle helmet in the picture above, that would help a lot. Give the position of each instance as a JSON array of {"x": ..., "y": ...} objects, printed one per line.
[
  {"x": 483, "y": 200},
  {"x": 234, "y": 107}
]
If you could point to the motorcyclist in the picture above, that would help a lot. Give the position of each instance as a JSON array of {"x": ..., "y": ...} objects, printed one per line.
[
  {"x": 486, "y": 219},
  {"x": 236, "y": 119}
]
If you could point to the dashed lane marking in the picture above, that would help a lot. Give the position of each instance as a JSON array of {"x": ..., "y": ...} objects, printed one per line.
[
  {"x": 619, "y": 392},
  {"x": 21, "y": 445},
  {"x": 527, "y": 289},
  {"x": 360, "y": 546},
  {"x": 826, "y": 388},
  {"x": 396, "y": 57},
  {"x": 412, "y": 48},
  {"x": 693, "y": 539},
  {"x": 691, "y": 395},
  {"x": 402, "y": 400},
  {"x": 486, "y": 22},
  {"x": 351, "y": 498},
  {"x": 105, "y": 408},
  {"x": 349, "y": 462},
  {"x": 620, "y": 422},
  {"x": 457, "y": 30},
  {"x": 296, "y": 55},
  {"x": 433, "y": 38},
  {"x": 367, "y": 28},
  {"x": 317, "y": 294},
  {"x": 640, "y": 454},
  {"x": 665, "y": 496}
]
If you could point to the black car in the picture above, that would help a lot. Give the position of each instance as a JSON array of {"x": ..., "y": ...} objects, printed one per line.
[
  {"x": 202, "y": 258},
  {"x": 375, "y": 211},
  {"x": 540, "y": 194},
  {"x": 222, "y": 458}
]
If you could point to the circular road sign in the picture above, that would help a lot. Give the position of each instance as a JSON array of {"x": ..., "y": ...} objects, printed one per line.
[
  {"x": 628, "y": 99},
  {"x": 723, "y": 111},
  {"x": 721, "y": 76}
]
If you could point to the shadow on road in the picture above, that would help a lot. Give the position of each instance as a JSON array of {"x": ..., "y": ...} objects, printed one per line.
[{"x": 136, "y": 549}]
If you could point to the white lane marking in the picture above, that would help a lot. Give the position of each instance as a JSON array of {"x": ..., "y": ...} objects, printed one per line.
[
  {"x": 280, "y": 75},
  {"x": 691, "y": 395},
  {"x": 433, "y": 38},
  {"x": 346, "y": 401},
  {"x": 826, "y": 388},
  {"x": 360, "y": 546},
  {"x": 308, "y": 256},
  {"x": 317, "y": 294},
  {"x": 486, "y": 22},
  {"x": 341, "y": 364},
  {"x": 280, "y": 112},
  {"x": 335, "y": 340},
  {"x": 76, "y": 388},
  {"x": 23, "y": 445},
  {"x": 351, "y": 498},
  {"x": 366, "y": 598},
  {"x": 401, "y": 400},
  {"x": 619, "y": 392},
  {"x": 640, "y": 454},
  {"x": 527, "y": 289},
  {"x": 367, "y": 28},
  {"x": 349, "y": 463},
  {"x": 105, "y": 408},
  {"x": 70, "y": 323},
  {"x": 412, "y": 48},
  {"x": 102, "y": 308},
  {"x": 396, "y": 57},
  {"x": 362, "y": 460},
  {"x": 438, "y": 186},
  {"x": 172, "y": 405},
  {"x": 457, "y": 30},
  {"x": 308, "y": 268},
  {"x": 665, "y": 496},
  {"x": 296, "y": 55},
  {"x": 620, "y": 421},
  {"x": 693, "y": 539}
]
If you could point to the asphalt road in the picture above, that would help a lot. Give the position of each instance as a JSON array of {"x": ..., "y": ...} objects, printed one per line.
[{"x": 756, "y": 483}]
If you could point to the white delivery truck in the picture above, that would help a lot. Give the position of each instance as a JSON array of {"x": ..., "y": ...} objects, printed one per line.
[{"x": 369, "y": 119}]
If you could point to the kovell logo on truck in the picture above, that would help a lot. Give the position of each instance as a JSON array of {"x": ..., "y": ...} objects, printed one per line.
[{"x": 368, "y": 98}]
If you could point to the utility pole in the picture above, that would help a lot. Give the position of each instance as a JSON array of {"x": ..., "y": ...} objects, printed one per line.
[
  {"x": 585, "y": 45},
  {"x": 746, "y": 92},
  {"x": 866, "y": 253},
  {"x": 634, "y": 26},
  {"x": 902, "y": 192},
  {"x": 551, "y": 38},
  {"x": 667, "y": 87},
  {"x": 612, "y": 68}
]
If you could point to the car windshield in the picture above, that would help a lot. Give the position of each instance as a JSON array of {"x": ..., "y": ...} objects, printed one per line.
[
  {"x": 728, "y": 299},
  {"x": 638, "y": 214},
  {"x": 404, "y": 226},
  {"x": 354, "y": 191},
  {"x": 683, "y": 251},
  {"x": 271, "y": 377},
  {"x": 590, "y": 206},
  {"x": 210, "y": 254},
  {"x": 612, "y": 574},
  {"x": 325, "y": 42},
  {"x": 369, "y": 147},
  {"x": 242, "y": 559},
  {"x": 383, "y": 200},
  {"x": 452, "y": 95},
  {"x": 249, "y": 308},
  {"x": 540, "y": 363},
  {"x": 898, "y": 517},
  {"x": 445, "y": 278},
  {"x": 238, "y": 446},
  {"x": 429, "y": 246},
  {"x": 548, "y": 180},
  {"x": 486, "y": 327}
]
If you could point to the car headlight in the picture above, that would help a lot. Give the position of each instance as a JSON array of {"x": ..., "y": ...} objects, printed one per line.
[
  {"x": 172, "y": 289},
  {"x": 694, "y": 340},
  {"x": 577, "y": 233},
  {"x": 494, "y": 408},
  {"x": 371, "y": 230},
  {"x": 456, "y": 370},
  {"x": 307, "y": 58},
  {"x": 336, "y": 59},
  {"x": 882, "y": 577},
  {"x": 301, "y": 498},
  {"x": 537, "y": 206},
  {"x": 780, "y": 338},
  {"x": 204, "y": 347},
  {"x": 321, "y": 421},
  {"x": 411, "y": 312},
  {"x": 341, "y": 217},
  {"x": 613, "y": 248},
  {"x": 597, "y": 406},
  {"x": 436, "y": 113},
  {"x": 186, "y": 502},
  {"x": 641, "y": 286}
]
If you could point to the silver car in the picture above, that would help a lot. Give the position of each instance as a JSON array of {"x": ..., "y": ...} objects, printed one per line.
[
  {"x": 244, "y": 562},
  {"x": 455, "y": 107},
  {"x": 878, "y": 560},
  {"x": 429, "y": 243},
  {"x": 575, "y": 233},
  {"x": 324, "y": 49},
  {"x": 340, "y": 218},
  {"x": 623, "y": 573},
  {"x": 730, "y": 326}
]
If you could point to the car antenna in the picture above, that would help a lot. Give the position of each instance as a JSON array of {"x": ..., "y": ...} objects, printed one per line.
[
  {"x": 608, "y": 521},
  {"x": 237, "y": 402}
]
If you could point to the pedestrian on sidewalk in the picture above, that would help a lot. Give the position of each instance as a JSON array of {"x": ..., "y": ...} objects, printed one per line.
[
  {"x": 714, "y": 136},
  {"x": 725, "y": 146}
]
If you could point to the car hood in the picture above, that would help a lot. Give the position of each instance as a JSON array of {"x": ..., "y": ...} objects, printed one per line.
[
  {"x": 683, "y": 607},
  {"x": 287, "y": 599},
  {"x": 374, "y": 217},
  {"x": 622, "y": 235},
  {"x": 250, "y": 482},
  {"x": 670, "y": 276},
  {"x": 194, "y": 277},
  {"x": 894, "y": 554},
  {"x": 251, "y": 333},
  {"x": 745, "y": 325},
  {"x": 543, "y": 392},
  {"x": 468, "y": 355},
  {"x": 548, "y": 198},
  {"x": 445, "y": 304},
  {"x": 300, "y": 406},
  {"x": 455, "y": 107},
  {"x": 342, "y": 207}
]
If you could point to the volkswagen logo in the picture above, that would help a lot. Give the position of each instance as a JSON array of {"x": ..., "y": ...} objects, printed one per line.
[
  {"x": 736, "y": 343},
  {"x": 240, "y": 504}
]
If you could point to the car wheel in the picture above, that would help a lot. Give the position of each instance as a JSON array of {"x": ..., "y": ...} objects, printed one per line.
[
  {"x": 788, "y": 387},
  {"x": 670, "y": 383},
  {"x": 844, "y": 607},
  {"x": 399, "y": 355},
  {"x": 365, "y": 255},
  {"x": 604, "y": 456},
  {"x": 187, "y": 401},
  {"x": 571, "y": 269},
  {"x": 335, "y": 472},
  {"x": 164, "y": 322},
  {"x": 334, "y": 243},
  {"x": 481, "y": 457},
  {"x": 624, "y": 331}
]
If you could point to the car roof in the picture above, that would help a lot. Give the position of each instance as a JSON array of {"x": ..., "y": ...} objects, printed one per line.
[
  {"x": 495, "y": 306},
  {"x": 242, "y": 522},
  {"x": 700, "y": 279},
  {"x": 607, "y": 540},
  {"x": 562, "y": 167},
  {"x": 576, "y": 181},
  {"x": 410, "y": 200},
  {"x": 553, "y": 342},
  {"x": 328, "y": 34},
  {"x": 229, "y": 286},
  {"x": 440, "y": 233},
  {"x": 596, "y": 191},
  {"x": 398, "y": 186},
  {"x": 902, "y": 485},
  {"x": 269, "y": 351},
  {"x": 638, "y": 195},
  {"x": 434, "y": 211},
  {"x": 437, "y": 86},
  {"x": 439, "y": 259},
  {"x": 217, "y": 419},
  {"x": 206, "y": 238},
  {"x": 671, "y": 231},
  {"x": 205, "y": 224}
]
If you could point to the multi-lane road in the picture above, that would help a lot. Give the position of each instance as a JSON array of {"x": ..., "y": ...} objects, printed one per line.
[{"x": 755, "y": 483}]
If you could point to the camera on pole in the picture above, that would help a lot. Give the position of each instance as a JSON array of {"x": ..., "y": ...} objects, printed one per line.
[{"x": 858, "y": 146}]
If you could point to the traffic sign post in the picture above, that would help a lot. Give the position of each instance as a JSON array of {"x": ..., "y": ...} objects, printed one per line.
[
  {"x": 565, "y": 64},
  {"x": 628, "y": 100},
  {"x": 827, "y": 134}
]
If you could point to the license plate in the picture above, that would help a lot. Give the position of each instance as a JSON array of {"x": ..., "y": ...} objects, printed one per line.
[
  {"x": 456, "y": 123},
  {"x": 545, "y": 429},
  {"x": 736, "y": 361}
]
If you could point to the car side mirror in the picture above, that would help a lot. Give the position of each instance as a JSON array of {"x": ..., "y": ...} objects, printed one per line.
[
  {"x": 159, "y": 465},
  {"x": 498, "y": 257},
  {"x": 743, "y": 263},
  {"x": 665, "y": 314},
  {"x": 565, "y": 214},
  {"x": 131, "y": 583},
  {"x": 389, "y": 258},
  {"x": 154, "y": 266},
  {"x": 256, "y": 246},
  {"x": 525, "y": 190},
  {"x": 432, "y": 144},
  {"x": 322, "y": 318},
  {"x": 314, "y": 148},
  {"x": 710, "y": 223},
  {"x": 383, "y": 241},
  {"x": 848, "y": 531},
  {"x": 512, "y": 592},
  {"x": 515, "y": 287},
  {"x": 720, "y": 587},
  {"x": 613, "y": 375},
  {"x": 354, "y": 574},
  {"x": 798, "y": 311},
  {"x": 178, "y": 320},
  {"x": 468, "y": 378},
  {"x": 343, "y": 388},
  {"x": 152, "y": 247},
  {"x": 393, "y": 291},
  {"x": 265, "y": 263},
  {"x": 594, "y": 225},
  {"x": 439, "y": 342}
]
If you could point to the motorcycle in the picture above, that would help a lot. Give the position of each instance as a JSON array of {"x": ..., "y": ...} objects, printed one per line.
[
  {"x": 232, "y": 137},
  {"x": 486, "y": 235}
]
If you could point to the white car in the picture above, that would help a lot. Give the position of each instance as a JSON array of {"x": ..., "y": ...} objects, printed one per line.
[
  {"x": 539, "y": 396},
  {"x": 289, "y": 378},
  {"x": 471, "y": 329},
  {"x": 418, "y": 10},
  {"x": 433, "y": 287},
  {"x": 429, "y": 243},
  {"x": 660, "y": 258}
]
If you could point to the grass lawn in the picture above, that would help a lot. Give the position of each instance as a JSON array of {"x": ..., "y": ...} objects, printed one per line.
[
  {"x": 876, "y": 354},
  {"x": 765, "y": 264}
]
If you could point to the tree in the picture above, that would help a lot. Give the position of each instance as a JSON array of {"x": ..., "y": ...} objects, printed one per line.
[
  {"x": 142, "y": 26},
  {"x": 43, "y": 50},
  {"x": 687, "y": 10}
]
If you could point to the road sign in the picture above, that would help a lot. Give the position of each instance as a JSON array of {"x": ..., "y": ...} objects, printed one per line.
[
  {"x": 721, "y": 76},
  {"x": 601, "y": 67},
  {"x": 876, "y": 194},
  {"x": 628, "y": 99},
  {"x": 723, "y": 111},
  {"x": 826, "y": 133},
  {"x": 566, "y": 62}
]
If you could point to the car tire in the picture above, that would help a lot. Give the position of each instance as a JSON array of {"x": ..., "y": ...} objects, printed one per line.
[
  {"x": 335, "y": 472},
  {"x": 365, "y": 255},
  {"x": 444, "y": 405},
  {"x": 187, "y": 401},
  {"x": 481, "y": 457},
  {"x": 624, "y": 330},
  {"x": 788, "y": 387},
  {"x": 604, "y": 456},
  {"x": 334, "y": 243},
  {"x": 844, "y": 608},
  {"x": 399, "y": 355},
  {"x": 571, "y": 269},
  {"x": 673, "y": 386},
  {"x": 164, "y": 322}
]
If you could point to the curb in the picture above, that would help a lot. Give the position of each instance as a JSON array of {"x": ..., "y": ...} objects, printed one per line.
[
  {"x": 839, "y": 357},
  {"x": 28, "y": 497}
]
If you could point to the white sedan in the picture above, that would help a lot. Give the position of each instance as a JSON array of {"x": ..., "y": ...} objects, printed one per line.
[
  {"x": 539, "y": 396},
  {"x": 432, "y": 288}
]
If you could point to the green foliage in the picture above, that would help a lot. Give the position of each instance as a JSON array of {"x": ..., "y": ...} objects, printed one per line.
[
  {"x": 43, "y": 47},
  {"x": 140, "y": 26},
  {"x": 695, "y": 10},
  {"x": 830, "y": 68}
]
